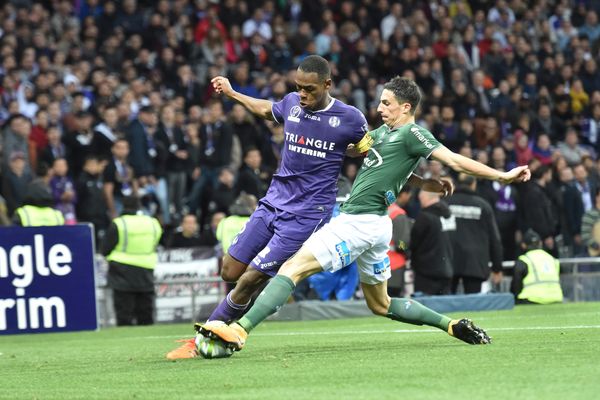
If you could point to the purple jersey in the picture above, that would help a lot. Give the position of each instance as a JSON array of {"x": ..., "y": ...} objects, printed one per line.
[{"x": 314, "y": 148}]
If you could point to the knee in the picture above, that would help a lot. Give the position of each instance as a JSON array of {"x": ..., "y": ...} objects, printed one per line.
[{"x": 229, "y": 273}]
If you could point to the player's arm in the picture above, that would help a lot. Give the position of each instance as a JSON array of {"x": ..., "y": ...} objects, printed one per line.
[
  {"x": 259, "y": 107},
  {"x": 361, "y": 147},
  {"x": 443, "y": 186},
  {"x": 463, "y": 164}
]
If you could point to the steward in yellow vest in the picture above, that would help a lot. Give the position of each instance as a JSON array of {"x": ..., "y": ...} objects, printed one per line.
[
  {"x": 536, "y": 277},
  {"x": 130, "y": 248},
  {"x": 37, "y": 208},
  {"x": 240, "y": 212}
]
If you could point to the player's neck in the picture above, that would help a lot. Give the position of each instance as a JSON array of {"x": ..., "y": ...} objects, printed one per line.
[{"x": 323, "y": 104}]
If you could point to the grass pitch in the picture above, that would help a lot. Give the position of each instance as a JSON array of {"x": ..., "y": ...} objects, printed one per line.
[{"x": 538, "y": 352}]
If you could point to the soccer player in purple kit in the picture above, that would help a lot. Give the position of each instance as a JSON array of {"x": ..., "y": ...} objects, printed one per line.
[{"x": 319, "y": 132}]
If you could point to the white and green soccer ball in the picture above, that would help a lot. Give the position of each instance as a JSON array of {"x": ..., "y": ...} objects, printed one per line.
[{"x": 212, "y": 348}]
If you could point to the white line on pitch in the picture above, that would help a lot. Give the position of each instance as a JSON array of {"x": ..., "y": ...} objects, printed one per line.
[{"x": 370, "y": 332}]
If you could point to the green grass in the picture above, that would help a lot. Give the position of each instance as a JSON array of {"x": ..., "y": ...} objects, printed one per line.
[{"x": 539, "y": 352}]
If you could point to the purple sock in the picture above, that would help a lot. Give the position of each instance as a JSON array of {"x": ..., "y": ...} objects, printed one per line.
[{"x": 227, "y": 310}]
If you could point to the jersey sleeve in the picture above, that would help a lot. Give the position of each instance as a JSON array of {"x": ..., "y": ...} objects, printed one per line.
[
  {"x": 278, "y": 109},
  {"x": 361, "y": 139},
  {"x": 420, "y": 142}
]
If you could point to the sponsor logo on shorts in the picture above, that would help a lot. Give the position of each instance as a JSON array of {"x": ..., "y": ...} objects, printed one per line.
[
  {"x": 268, "y": 264},
  {"x": 343, "y": 253},
  {"x": 259, "y": 257},
  {"x": 381, "y": 266}
]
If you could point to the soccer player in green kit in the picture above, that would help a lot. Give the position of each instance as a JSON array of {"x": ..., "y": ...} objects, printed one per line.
[{"x": 363, "y": 230}]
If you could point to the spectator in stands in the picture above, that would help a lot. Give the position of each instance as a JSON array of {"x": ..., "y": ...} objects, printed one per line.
[
  {"x": 536, "y": 278},
  {"x": 79, "y": 142},
  {"x": 63, "y": 191},
  {"x": 15, "y": 140},
  {"x": 215, "y": 144},
  {"x": 590, "y": 230},
  {"x": 130, "y": 248},
  {"x": 186, "y": 235},
  {"x": 55, "y": 148},
  {"x": 251, "y": 178},
  {"x": 14, "y": 181},
  {"x": 91, "y": 205},
  {"x": 581, "y": 202},
  {"x": 118, "y": 178},
  {"x": 537, "y": 212},
  {"x": 431, "y": 246},
  {"x": 105, "y": 133},
  {"x": 476, "y": 240},
  {"x": 172, "y": 139}
]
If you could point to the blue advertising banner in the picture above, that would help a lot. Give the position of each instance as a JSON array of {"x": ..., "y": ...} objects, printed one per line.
[{"x": 47, "y": 279}]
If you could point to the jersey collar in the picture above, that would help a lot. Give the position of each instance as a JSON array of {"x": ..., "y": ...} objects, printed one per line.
[{"x": 327, "y": 107}]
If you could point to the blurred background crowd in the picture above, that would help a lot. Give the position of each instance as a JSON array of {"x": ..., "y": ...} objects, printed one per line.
[{"x": 103, "y": 99}]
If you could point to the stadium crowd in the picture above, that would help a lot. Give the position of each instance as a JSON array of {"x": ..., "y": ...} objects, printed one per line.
[{"x": 102, "y": 99}]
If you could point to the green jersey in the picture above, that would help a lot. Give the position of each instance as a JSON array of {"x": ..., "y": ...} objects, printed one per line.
[{"x": 392, "y": 158}]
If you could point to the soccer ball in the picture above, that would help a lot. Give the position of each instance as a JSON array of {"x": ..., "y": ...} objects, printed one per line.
[{"x": 212, "y": 348}]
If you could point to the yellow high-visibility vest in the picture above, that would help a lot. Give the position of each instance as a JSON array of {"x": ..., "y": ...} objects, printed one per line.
[
  {"x": 39, "y": 216},
  {"x": 138, "y": 237},
  {"x": 542, "y": 282}
]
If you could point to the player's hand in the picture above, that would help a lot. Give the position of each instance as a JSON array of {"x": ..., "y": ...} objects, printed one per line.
[
  {"x": 447, "y": 187},
  {"x": 352, "y": 151},
  {"x": 222, "y": 85},
  {"x": 443, "y": 186},
  {"x": 518, "y": 174}
]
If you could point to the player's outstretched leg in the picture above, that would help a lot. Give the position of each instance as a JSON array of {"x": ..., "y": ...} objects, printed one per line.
[{"x": 415, "y": 313}]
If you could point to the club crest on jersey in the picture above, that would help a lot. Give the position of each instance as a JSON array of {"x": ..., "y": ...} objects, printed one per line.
[
  {"x": 334, "y": 122},
  {"x": 294, "y": 114}
]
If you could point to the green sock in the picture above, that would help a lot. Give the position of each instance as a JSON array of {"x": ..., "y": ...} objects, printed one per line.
[
  {"x": 412, "y": 312},
  {"x": 270, "y": 300}
]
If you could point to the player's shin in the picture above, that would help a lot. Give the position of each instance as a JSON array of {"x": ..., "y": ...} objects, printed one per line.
[
  {"x": 228, "y": 310},
  {"x": 412, "y": 312},
  {"x": 270, "y": 300}
]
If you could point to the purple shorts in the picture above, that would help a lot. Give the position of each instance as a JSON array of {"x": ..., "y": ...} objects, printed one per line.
[{"x": 270, "y": 237}]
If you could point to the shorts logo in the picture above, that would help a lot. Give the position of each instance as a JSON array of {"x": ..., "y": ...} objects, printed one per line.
[
  {"x": 334, "y": 122},
  {"x": 294, "y": 114},
  {"x": 343, "y": 253},
  {"x": 381, "y": 266},
  {"x": 389, "y": 197},
  {"x": 260, "y": 256}
]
